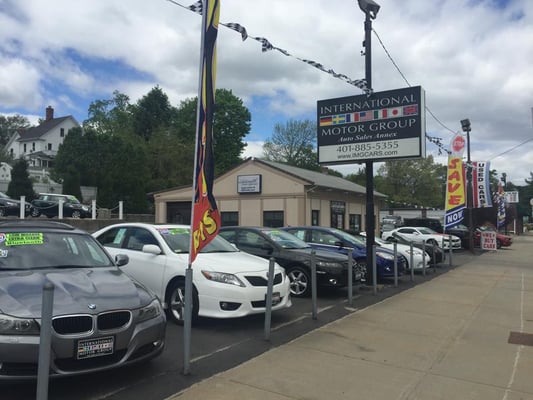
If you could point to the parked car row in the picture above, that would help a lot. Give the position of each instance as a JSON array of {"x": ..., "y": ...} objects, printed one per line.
[{"x": 45, "y": 204}]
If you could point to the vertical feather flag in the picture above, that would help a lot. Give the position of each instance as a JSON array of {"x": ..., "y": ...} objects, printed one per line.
[
  {"x": 455, "y": 184},
  {"x": 501, "y": 206},
  {"x": 205, "y": 219}
]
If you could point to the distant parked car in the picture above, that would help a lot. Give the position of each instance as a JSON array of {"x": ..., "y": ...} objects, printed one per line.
[
  {"x": 101, "y": 318},
  {"x": 433, "y": 223},
  {"x": 420, "y": 234},
  {"x": 501, "y": 239},
  {"x": 436, "y": 254},
  {"x": 333, "y": 239},
  {"x": 227, "y": 283},
  {"x": 48, "y": 204},
  {"x": 9, "y": 206},
  {"x": 461, "y": 231},
  {"x": 291, "y": 253},
  {"x": 420, "y": 257}
]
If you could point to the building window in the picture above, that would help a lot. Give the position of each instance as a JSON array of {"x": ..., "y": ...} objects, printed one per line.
[
  {"x": 338, "y": 209},
  {"x": 315, "y": 217},
  {"x": 273, "y": 219},
  {"x": 33, "y": 146},
  {"x": 229, "y": 218},
  {"x": 49, "y": 146},
  {"x": 24, "y": 147},
  {"x": 355, "y": 223},
  {"x": 62, "y": 132}
]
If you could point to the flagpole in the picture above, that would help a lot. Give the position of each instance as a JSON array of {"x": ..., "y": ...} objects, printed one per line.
[{"x": 187, "y": 317}]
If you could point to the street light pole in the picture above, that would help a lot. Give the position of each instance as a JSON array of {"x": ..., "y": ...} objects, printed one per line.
[
  {"x": 370, "y": 8},
  {"x": 465, "y": 125}
]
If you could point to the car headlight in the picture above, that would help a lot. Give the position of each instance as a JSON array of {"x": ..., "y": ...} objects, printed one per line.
[
  {"x": 10, "y": 204},
  {"x": 328, "y": 264},
  {"x": 414, "y": 252},
  {"x": 18, "y": 326},
  {"x": 385, "y": 256},
  {"x": 223, "y": 277},
  {"x": 152, "y": 310},
  {"x": 85, "y": 208}
]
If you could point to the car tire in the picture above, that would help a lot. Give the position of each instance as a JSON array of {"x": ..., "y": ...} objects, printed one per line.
[
  {"x": 432, "y": 242},
  {"x": 498, "y": 244},
  {"x": 175, "y": 300},
  {"x": 35, "y": 213},
  {"x": 300, "y": 281},
  {"x": 2, "y": 212},
  {"x": 360, "y": 266},
  {"x": 76, "y": 214}
]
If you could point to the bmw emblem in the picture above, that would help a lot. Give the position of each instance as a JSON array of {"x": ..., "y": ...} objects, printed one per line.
[{"x": 91, "y": 306}]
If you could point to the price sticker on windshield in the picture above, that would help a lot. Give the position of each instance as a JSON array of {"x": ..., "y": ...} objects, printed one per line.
[{"x": 18, "y": 239}]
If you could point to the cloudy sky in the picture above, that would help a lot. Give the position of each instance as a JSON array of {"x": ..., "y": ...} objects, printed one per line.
[{"x": 473, "y": 58}]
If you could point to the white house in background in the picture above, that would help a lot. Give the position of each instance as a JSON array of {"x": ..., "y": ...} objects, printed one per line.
[
  {"x": 5, "y": 171},
  {"x": 39, "y": 144}
]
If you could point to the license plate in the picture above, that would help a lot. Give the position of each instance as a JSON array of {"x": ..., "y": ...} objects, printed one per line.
[
  {"x": 89, "y": 348},
  {"x": 276, "y": 298}
]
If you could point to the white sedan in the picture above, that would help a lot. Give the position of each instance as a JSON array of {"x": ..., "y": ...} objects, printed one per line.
[
  {"x": 423, "y": 234},
  {"x": 227, "y": 283},
  {"x": 419, "y": 257}
]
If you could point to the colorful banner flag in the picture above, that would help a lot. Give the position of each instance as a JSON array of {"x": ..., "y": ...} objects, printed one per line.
[
  {"x": 481, "y": 184},
  {"x": 370, "y": 115},
  {"x": 455, "y": 192},
  {"x": 500, "y": 201},
  {"x": 205, "y": 219}
]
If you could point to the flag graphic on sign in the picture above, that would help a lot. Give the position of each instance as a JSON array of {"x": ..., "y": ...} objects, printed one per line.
[
  {"x": 410, "y": 110},
  {"x": 325, "y": 121},
  {"x": 205, "y": 220},
  {"x": 366, "y": 116}
]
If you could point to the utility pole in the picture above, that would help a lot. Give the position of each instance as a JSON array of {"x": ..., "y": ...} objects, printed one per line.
[{"x": 370, "y": 8}]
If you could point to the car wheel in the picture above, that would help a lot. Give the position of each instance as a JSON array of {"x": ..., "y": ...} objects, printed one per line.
[
  {"x": 300, "y": 279},
  {"x": 2, "y": 212},
  {"x": 432, "y": 242},
  {"x": 176, "y": 302},
  {"x": 35, "y": 213},
  {"x": 76, "y": 214},
  {"x": 498, "y": 243}
]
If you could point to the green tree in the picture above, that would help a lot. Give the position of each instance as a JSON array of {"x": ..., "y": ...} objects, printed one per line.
[
  {"x": 418, "y": 182},
  {"x": 293, "y": 143},
  {"x": 152, "y": 112},
  {"x": 71, "y": 183},
  {"x": 110, "y": 117},
  {"x": 20, "y": 184},
  {"x": 10, "y": 124}
]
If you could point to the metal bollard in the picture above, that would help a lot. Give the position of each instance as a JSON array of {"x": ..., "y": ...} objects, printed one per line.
[
  {"x": 374, "y": 270},
  {"x": 313, "y": 283},
  {"x": 187, "y": 322},
  {"x": 395, "y": 264},
  {"x": 268, "y": 309},
  {"x": 60, "y": 210},
  {"x": 411, "y": 262},
  {"x": 434, "y": 259},
  {"x": 43, "y": 367},
  {"x": 451, "y": 252},
  {"x": 424, "y": 261},
  {"x": 350, "y": 276}
]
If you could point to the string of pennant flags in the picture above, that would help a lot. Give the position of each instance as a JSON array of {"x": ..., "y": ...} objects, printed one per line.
[{"x": 266, "y": 45}]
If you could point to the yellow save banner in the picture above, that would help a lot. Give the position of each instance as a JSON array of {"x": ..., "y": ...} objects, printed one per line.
[{"x": 455, "y": 192}]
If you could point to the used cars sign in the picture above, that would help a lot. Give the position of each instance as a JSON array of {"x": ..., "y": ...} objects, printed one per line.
[{"x": 381, "y": 126}]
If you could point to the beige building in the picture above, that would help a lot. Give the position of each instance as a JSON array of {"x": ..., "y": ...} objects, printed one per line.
[{"x": 265, "y": 193}]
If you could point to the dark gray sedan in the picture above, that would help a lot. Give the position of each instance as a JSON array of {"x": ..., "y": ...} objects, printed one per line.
[{"x": 102, "y": 319}]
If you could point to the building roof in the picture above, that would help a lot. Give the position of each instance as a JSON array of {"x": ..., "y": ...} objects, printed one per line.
[
  {"x": 318, "y": 178},
  {"x": 37, "y": 131}
]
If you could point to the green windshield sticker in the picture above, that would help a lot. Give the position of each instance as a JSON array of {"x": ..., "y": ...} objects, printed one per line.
[
  {"x": 17, "y": 239},
  {"x": 174, "y": 231}
]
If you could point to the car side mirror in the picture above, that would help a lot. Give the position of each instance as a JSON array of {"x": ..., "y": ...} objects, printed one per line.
[
  {"x": 339, "y": 244},
  {"x": 267, "y": 247},
  {"x": 121, "y": 259},
  {"x": 151, "y": 249}
]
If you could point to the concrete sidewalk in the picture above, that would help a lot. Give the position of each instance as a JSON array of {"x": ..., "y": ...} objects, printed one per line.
[{"x": 452, "y": 338}]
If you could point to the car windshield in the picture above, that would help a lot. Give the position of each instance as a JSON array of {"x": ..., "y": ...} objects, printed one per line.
[
  {"x": 285, "y": 239},
  {"x": 43, "y": 249},
  {"x": 178, "y": 239},
  {"x": 426, "y": 231},
  {"x": 4, "y": 196},
  {"x": 348, "y": 238}
]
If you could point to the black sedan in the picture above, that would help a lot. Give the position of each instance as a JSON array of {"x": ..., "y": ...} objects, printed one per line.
[
  {"x": 291, "y": 253},
  {"x": 9, "y": 206}
]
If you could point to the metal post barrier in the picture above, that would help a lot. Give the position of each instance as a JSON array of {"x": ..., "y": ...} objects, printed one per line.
[
  {"x": 43, "y": 367},
  {"x": 22, "y": 213},
  {"x": 450, "y": 251},
  {"x": 374, "y": 270},
  {"x": 93, "y": 209},
  {"x": 434, "y": 259},
  {"x": 268, "y": 310},
  {"x": 120, "y": 210},
  {"x": 412, "y": 261},
  {"x": 424, "y": 260},
  {"x": 313, "y": 283},
  {"x": 350, "y": 276},
  {"x": 395, "y": 264},
  {"x": 187, "y": 322},
  {"x": 60, "y": 212}
]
